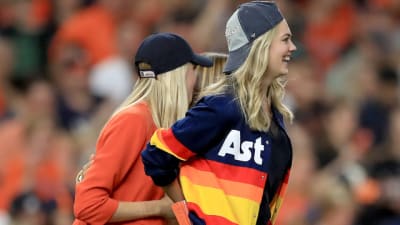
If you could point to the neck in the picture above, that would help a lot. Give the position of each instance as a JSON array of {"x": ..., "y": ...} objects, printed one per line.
[
  {"x": 266, "y": 106},
  {"x": 268, "y": 79}
]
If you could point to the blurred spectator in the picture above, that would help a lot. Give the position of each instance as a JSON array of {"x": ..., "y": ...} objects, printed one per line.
[
  {"x": 333, "y": 203},
  {"x": 386, "y": 209},
  {"x": 111, "y": 76},
  {"x": 37, "y": 156},
  {"x": 375, "y": 111},
  {"x": 6, "y": 68},
  {"x": 303, "y": 173},
  {"x": 28, "y": 36},
  {"x": 328, "y": 31},
  {"x": 195, "y": 20},
  {"x": 373, "y": 44},
  {"x": 62, "y": 10},
  {"x": 78, "y": 110},
  {"x": 29, "y": 209},
  {"x": 339, "y": 127},
  {"x": 305, "y": 95}
]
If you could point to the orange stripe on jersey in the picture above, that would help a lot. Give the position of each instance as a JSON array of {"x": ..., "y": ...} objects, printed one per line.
[
  {"x": 216, "y": 201},
  {"x": 231, "y": 172},
  {"x": 165, "y": 140},
  {"x": 235, "y": 188}
]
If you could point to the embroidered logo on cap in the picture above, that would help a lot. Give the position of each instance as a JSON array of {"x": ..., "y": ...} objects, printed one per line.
[
  {"x": 145, "y": 70},
  {"x": 144, "y": 66}
]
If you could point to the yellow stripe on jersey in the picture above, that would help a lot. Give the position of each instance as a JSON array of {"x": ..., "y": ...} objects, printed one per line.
[
  {"x": 214, "y": 201},
  {"x": 157, "y": 141}
]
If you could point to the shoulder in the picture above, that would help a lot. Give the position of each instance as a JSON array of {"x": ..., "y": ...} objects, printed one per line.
[
  {"x": 224, "y": 105},
  {"x": 132, "y": 117}
]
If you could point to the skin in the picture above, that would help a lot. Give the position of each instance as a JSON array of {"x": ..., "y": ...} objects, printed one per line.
[{"x": 280, "y": 52}]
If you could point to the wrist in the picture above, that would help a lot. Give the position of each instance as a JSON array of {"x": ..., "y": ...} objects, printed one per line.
[{"x": 164, "y": 208}]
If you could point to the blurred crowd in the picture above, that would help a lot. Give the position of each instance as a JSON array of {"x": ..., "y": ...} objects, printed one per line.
[{"x": 66, "y": 64}]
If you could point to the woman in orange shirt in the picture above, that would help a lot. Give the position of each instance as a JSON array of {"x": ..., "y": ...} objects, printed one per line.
[{"x": 115, "y": 188}]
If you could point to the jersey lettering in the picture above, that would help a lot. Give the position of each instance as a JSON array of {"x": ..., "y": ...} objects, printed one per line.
[{"x": 242, "y": 151}]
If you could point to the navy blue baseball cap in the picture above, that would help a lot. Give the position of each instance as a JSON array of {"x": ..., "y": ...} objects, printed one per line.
[
  {"x": 247, "y": 23},
  {"x": 163, "y": 52}
]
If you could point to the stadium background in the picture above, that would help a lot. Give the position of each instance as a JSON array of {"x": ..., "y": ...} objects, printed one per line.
[{"x": 66, "y": 64}]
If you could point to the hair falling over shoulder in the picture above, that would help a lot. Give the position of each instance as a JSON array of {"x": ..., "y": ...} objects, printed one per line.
[
  {"x": 166, "y": 96},
  {"x": 207, "y": 76}
]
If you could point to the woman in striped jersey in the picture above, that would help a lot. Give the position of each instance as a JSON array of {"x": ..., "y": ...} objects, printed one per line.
[{"x": 229, "y": 158}]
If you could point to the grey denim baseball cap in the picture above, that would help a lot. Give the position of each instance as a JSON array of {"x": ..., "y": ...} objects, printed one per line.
[{"x": 247, "y": 23}]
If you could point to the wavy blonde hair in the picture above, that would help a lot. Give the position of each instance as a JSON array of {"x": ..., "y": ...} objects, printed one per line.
[
  {"x": 209, "y": 75},
  {"x": 166, "y": 95},
  {"x": 246, "y": 82}
]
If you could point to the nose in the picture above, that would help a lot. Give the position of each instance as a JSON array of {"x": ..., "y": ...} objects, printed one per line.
[{"x": 292, "y": 46}]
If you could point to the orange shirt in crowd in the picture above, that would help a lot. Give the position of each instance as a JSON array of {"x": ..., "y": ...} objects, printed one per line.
[
  {"x": 41, "y": 11},
  {"x": 11, "y": 162},
  {"x": 117, "y": 172},
  {"x": 93, "y": 29},
  {"x": 326, "y": 39},
  {"x": 47, "y": 177}
]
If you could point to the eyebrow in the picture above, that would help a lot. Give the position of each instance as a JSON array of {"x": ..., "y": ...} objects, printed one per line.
[{"x": 287, "y": 35}]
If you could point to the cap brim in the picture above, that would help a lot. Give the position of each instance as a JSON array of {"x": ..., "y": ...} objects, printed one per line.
[
  {"x": 236, "y": 58},
  {"x": 201, "y": 60}
]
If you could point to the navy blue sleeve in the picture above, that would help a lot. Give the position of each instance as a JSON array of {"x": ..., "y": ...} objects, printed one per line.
[
  {"x": 162, "y": 167},
  {"x": 203, "y": 127},
  {"x": 206, "y": 123}
]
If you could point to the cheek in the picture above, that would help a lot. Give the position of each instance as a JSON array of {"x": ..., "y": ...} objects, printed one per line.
[{"x": 274, "y": 52}]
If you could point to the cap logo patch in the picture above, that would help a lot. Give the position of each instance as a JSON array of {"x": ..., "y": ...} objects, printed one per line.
[
  {"x": 230, "y": 31},
  {"x": 144, "y": 66},
  {"x": 147, "y": 74}
]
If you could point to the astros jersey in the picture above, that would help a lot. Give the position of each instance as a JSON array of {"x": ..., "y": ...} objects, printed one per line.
[{"x": 225, "y": 163}]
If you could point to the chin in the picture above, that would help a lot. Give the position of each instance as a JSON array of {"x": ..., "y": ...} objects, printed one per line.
[{"x": 285, "y": 72}]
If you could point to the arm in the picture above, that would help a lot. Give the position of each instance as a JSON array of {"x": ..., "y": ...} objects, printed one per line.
[
  {"x": 139, "y": 210},
  {"x": 174, "y": 191},
  {"x": 116, "y": 152},
  {"x": 134, "y": 210},
  {"x": 202, "y": 126}
]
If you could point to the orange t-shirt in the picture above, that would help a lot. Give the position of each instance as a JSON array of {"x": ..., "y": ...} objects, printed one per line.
[
  {"x": 117, "y": 172},
  {"x": 326, "y": 39},
  {"x": 47, "y": 177},
  {"x": 12, "y": 144},
  {"x": 93, "y": 29}
]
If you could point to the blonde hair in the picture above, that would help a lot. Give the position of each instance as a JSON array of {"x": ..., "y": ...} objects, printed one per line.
[
  {"x": 246, "y": 82},
  {"x": 209, "y": 75},
  {"x": 166, "y": 95}
]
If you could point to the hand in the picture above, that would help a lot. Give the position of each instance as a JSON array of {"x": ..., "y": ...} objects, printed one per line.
[{"x": 81, "y": 174}]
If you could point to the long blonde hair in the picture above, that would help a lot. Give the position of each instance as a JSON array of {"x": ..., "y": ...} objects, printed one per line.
[
  {"x": 209, "y": 75},
  {"x": 246, "y": 82},
  {"x": 166, "y": 95}
]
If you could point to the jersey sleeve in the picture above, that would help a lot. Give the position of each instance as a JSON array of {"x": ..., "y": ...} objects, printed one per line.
[{"x": 201, "y": 128}]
